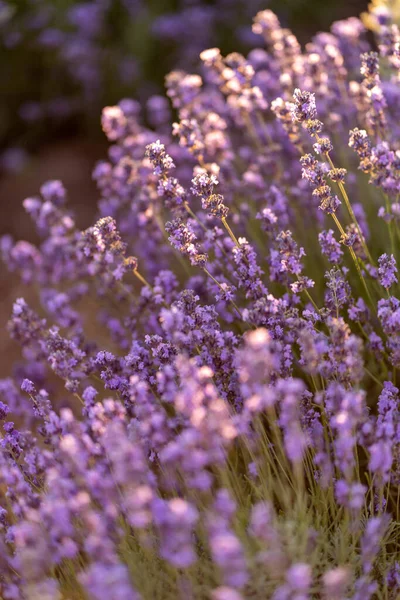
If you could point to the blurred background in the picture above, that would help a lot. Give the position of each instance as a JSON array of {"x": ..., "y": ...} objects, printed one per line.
[{"x": 63, "y": 60}]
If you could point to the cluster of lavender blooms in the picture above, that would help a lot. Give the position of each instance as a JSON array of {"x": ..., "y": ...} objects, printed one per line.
[
  {"x": 207, "y": 403},
  {"x": 94, "y": 46}
]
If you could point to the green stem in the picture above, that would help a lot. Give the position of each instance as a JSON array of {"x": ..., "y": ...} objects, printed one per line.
[
  {"x": 230, "y": 232},
  {"x": 307, "y": 293},
  {"x": 361, "y": 276},
  {"x": 351, "y": 211},
  {"x": 373, "y": 377},
  {"x": 390, "y": 224},
  {"x": 142, "y": 279},
  {"x": 207, "y": 272},
  {"x": 355, "y": 260}
]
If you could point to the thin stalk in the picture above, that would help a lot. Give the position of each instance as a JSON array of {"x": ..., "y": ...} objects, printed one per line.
[
  {"x": 373, "y": 377},
  {"x": 307, "y": 293},
  {"x": 355, "y": 260},
  {"x": 350, "y": 210},
  {"x": 390, "y": 225},
  {"x": 142, "y": 279},
  {"x": 207, "y": 272},
  {"x": 194, "y": 216},
  {"x": 338, "y": 225},
  {"x": 230, "y": 232},
  {"x": 361, "y": 276},
  {"x": 79, "y": 398}
]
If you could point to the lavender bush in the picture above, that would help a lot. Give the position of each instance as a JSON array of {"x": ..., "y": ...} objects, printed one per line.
[
  {"x": 228, "y": 338},
  {"x": 75, "y": 56}
]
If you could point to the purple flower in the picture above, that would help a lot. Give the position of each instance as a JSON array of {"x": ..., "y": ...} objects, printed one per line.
[
  {"x": 214, "y": 204},
  {"x": 387, "y": 270},
  {"x": 176, "y": 520},
  {"x": 103, "y": 581},
  {"x": 228, "y": 554},
  {"x": 184, "y": 239},
  {"x": 304, "y": 107},
  {"x": 339, "y": 291},
  {"x": 298, "y": 583},
  {"x": 27, "y": 386},
  {"x": 190, "y": 417},
  {"x": 314, "y": 173},
  {"x": 158, "y": 157},
  {"x": 226, "y": 593},
  {"x": 203, "y": 184},
  {"x": 337, "y": 174},
  {"x": 393, "y": 577},
  {"x": 372, "y": 539},
  {"x": 336, "y": 582},
  {"x": 360, "y": 141},
  {"x": 330, "y": 247},
  {"x": 324, "y": 146},
  {"x": 350, "y": 495}
]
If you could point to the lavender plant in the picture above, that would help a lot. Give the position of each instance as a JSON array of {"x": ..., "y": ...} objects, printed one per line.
[
  {"x": 76, "y": 56},
  {"x": 226, "y": 337}
]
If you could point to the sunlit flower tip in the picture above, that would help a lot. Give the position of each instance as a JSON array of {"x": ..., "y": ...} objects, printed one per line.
[
  {"x": 304, "y": 107},
  {"x": 210, "y": 56},
  {"x": 323, "y": 146}
]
